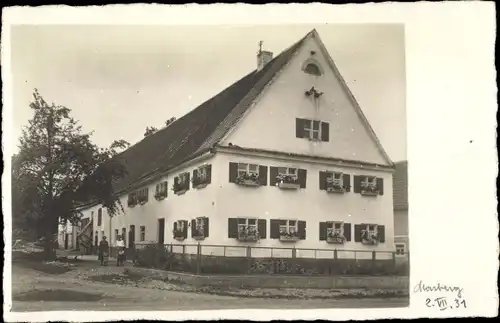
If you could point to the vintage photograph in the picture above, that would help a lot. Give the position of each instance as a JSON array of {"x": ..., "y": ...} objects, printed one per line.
[{"x": 209, "y": 167}]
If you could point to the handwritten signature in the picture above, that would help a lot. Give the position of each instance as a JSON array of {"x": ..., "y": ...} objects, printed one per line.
[{"x": 421, "y": 287}]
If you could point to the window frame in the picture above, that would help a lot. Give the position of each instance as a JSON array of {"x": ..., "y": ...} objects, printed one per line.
[
  {"x": 331, "y": 178},
  {"x": 368, "y": 181},
  {"x": 247, "y": 169},
  {"x": 287, "y": 226},
  {"x": 161, "y": 188},
  {"x": 310, "y": 131},
  {"x": 142, "y": 233},
  {"x": 331, "y": 227},
  {"x": 247, "y": 224}
]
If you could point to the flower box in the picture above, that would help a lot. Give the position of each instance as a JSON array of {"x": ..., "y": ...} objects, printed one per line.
[
  {"x": 370, "y": 190},
  {"x": 369, "y": 239},
  {"x": 335, "y": 189},
  {"x": 335, "y": 239},
  {"x": 248, "y": 180},
  {"x": 198, "y": 235},
  {"x": 180, "y": 188},
  {"x": 248, "y": 236},
  {"x": 160, "y": 196},
  {"x": 200, "y": 185},
  {"x": 289, "y": 237},
  {"x": 288, "y": 182},
  {"x": 200, "y": 182}
]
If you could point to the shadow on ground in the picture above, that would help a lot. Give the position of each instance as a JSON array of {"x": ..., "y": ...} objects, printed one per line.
[{"x": 57, "y": 295}]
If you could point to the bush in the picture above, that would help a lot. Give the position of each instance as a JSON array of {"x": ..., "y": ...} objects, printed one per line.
[{"x": 153, "y": 256}]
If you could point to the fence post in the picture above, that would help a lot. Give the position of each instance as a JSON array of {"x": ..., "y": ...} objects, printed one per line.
[
  {"x": 183, "y": 250},
  {"x": 249, "y": 259},
  {"x": 171, "y": 248},
  {"x": 294, "y": 260},
  {"x": 198, "y": 259},
  {"x": 374, "y": 255}
]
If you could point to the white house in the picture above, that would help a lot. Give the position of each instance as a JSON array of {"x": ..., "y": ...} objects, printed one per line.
[{"x": 283, "y": 158}]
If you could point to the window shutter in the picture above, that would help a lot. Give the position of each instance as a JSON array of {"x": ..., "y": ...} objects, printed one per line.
[
  {"x": 347, "y": 182},
  {"x": 193, "y": 228},
  {"x": 302, "y": 230},
  {"x": 185, "y": 233},
  {"x": 147, "y": 194},
  {"x": 176, "y": 180},
  {"x": 347, "y": 231},
  {"x": 273, "y": 173},
  {"x": 262, "y": 227},
  {"x": 302, "y": 177},
  {"x": 175, "y": 227},
  {"x": 232, "y": 228},
  {"x": 357, "y": 232},
  {"x": 209, "y": 174},
  {"x": 275, "y": 229},
  {"x": 195, "y": 174},
  {"x": 188, "y": 179},
  {"x": 263, "y": 175},
  {"x": 325, "y": 131},
  {"x": 299, "y": 128},
  {"x": 381, "y": 233},
  {"x": 380, "y": 185},
  {"x": 205, "y": 227},
  {"x": 357, "y": 183},
  {"x": 322, "y": 180},
  {"x": 322, "y": 231},
  {"x": 233, "y": 172}
]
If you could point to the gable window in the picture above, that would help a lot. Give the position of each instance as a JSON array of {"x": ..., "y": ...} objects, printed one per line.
[
  {"x": 143, "y": 195},
  {"x": 99, "y": 217},
  {"x": 202, "y": 176},
  {"x": 181, "y": 183},
  {"x": 142, "y": 233},
  {"x": 314, "y": 130},
  {"x": 313, "y": 69},
  {"x": 161, "y": 190}
]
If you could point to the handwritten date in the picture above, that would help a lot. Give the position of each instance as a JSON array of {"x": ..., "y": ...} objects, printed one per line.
[{"x": 442, "y": 303}]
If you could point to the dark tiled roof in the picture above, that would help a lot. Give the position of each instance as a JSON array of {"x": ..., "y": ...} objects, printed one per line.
[
  {"x": 400, "y": 185},
  {"x": 198, "y": 130}
]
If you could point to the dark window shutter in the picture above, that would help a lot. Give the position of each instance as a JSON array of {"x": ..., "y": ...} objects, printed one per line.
[
  {"x": 357, "y": 183},
  {"x": 232, "y": 228},
  {"x": 176, "y": 180},
  {"x": 357, "y": 232},
  {"x": 195, "y": 174},
  {"x": 302, "y": 230},
  {"x": 273, "y": 173},
  {"x": 347, "y": 231},
  {"x": 175, "y": 226},
  {"x": 322, "y": 180},
  {"x": 381, "y": 233},
  {"x": 275, "y": 229},
  {"x": 347, "y": 182},
  {"x": 299, "y": 128},
  {"x": 209, "y": 174},
  {"x": 193, "y": 228},
  {"x": 205, "y": 227},
  {"x": 233, "y": 172},
  {"x": 325, "y": 131},
  {"x": 302, "y": 176},
  {"x": 322, "y": 231},
  {"x": 380, "y": 185},
  {"x": 185, "y": 233},
  {"x": 188, "y": 179},
  {"x": 263, "y": 175},
  {"x": 262, "y": 228}
]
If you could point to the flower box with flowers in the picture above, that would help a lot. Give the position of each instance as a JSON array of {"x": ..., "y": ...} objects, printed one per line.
[
  {"x": 198, "y": 234},
  {"x": 288, "y": 236},
  {"x": 180, "y": 187},
  {"x": 335, "y": 237},
  {"x": 132, "y": 202},
  {"x": 248, "y": 179},
  {"x": 161, "y": 195},
  {"x": 248, "y": 234},
  {"x": 142, "y": 200},
  {"x": 369, "y": 189},
  {"x": 369, "y": 238},
  {"x": 178, "y": 235},
  {"x": 199, "y": 182},
  {"x": 285, "y": 181},
  {"x": 334, "y": 186}
]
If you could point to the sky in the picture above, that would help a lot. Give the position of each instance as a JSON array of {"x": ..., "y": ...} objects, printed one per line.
[{"x": 120, "y": 79}]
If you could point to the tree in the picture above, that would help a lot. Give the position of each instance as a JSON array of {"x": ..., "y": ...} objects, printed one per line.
[
  {"x": 150, "y": 130},
  {"x": 57, "y": 169}
]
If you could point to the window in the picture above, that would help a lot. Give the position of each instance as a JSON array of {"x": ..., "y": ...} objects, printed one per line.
[
  {"x": 369, "y": 182},
  {"x": 286, "y": 171},
  {"x": 183, "y": 178},
  {"x": 313, "y": 69},
  {"x": 400, "y": 249},
  {"x": 335, "y": 178},
  {"x": 312, "y": 129},
  {"x": 371, "y": 230},
  {"x": 244, "y": 169},
  {"x": 142, "y": 235},
  {"x": 202, "y": 173},
  {"x": 132, "y": 199},
  {"x": 247, "y": 227},
  {"x": 161, "y": 189},
  {"x": 142, "y": 195},
  {"x": 289, "y": 227},
  {"x": 99, "y": 217},
  {"x": 335, "y": 228}
]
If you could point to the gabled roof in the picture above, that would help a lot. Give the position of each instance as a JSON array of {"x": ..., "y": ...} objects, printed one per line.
[
  {"x": 400, "y": 186},
  {"x": 199, "y": 130}
]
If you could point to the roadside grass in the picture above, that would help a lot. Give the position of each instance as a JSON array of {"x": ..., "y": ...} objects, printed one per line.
[
  {"x": 57, "y": 295},
  {"x": 35, "y": 260}
]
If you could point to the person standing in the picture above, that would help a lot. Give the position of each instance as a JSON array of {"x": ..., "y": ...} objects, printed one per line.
[
  {"x": 104, "y": 251},
  {"x": 120, "y": 251}
]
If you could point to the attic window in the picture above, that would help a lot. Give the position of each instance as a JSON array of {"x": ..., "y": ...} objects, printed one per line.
[{"x": 313, "y": 69}]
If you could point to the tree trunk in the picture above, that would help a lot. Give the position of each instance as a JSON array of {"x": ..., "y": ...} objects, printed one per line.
[{"x": 50, "y": 244}]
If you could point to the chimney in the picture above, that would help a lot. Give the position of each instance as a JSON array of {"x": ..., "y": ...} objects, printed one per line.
[{"x": 263, "y": 57}]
